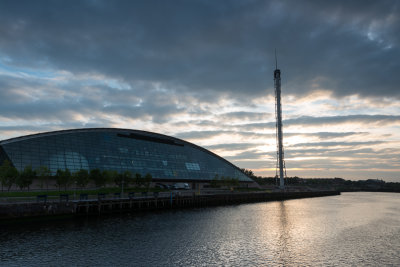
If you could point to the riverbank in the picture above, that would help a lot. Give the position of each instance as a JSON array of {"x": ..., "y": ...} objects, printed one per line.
[
  {"x": 300, "y": 232},
  {"x": 44, "y": 208}
]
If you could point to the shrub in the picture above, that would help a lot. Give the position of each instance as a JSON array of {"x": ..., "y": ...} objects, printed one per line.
[{"x": 8, "y": 175}]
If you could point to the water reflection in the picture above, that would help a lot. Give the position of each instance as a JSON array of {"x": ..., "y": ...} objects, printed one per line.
[
  {"x": 284, "y": 233},
  {"x": 318, "y": 231}
]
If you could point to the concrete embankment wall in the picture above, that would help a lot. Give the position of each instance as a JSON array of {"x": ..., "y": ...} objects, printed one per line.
[{"x": 120, "y": 205}]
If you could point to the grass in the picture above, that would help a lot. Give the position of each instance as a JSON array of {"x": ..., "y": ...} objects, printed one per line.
[{"x": 245, "y": 189}]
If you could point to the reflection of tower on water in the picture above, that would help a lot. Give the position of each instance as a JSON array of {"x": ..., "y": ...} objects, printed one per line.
[
  {"x": 280, "y": 160},
  {"x": 285, "y": 235}
]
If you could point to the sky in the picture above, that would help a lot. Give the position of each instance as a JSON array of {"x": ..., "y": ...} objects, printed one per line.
[{"x": 202, "y": 71}]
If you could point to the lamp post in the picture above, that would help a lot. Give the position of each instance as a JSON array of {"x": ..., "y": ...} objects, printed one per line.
[
  {"x": 122, "y": 188},
  {"x": 75, "y": 190}
]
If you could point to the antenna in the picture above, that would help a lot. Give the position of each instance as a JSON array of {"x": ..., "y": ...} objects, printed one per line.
[{"x": 276, "y": 61}]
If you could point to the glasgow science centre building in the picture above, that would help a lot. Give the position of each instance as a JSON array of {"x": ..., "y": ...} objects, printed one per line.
[{"x": 166, "y": 158}]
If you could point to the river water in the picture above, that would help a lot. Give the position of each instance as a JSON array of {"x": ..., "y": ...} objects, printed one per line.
[{"x": 354, "y": 229}]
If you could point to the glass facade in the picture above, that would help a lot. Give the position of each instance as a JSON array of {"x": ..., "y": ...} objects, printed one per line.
[{"x": 164, "y": 157}]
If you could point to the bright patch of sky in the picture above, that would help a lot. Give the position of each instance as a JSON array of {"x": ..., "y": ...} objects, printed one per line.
[{"x": 20, "y": 72}]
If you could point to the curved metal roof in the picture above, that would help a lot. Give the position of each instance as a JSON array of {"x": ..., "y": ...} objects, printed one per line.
[{"x": 116, "y": 130}]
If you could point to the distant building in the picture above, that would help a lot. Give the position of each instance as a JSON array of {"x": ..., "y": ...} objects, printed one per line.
[{"x": 166, "y": 158}]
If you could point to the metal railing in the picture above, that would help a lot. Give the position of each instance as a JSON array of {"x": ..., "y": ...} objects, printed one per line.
[{"x": 111, "y": 196}]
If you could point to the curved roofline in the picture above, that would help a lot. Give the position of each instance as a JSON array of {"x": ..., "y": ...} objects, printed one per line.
[{"x": 43, "y": 134}]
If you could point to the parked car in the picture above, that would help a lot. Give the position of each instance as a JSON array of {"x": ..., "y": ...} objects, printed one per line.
[
  {"x": 161, "y": 186},
  {"x": 184, "y": 186}
]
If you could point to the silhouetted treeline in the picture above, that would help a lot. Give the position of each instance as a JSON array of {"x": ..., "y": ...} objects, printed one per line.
[{"x": 336, "y": 183}]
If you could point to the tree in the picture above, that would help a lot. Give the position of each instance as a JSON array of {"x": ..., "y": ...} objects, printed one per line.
[
  {"x": 119, "y": 179},
  {"x": 123, "y": 178},
  {"x": 63, "y": 178},
  {"x": 215, "y": 181},
  {"x": 249, "y": 173},
  {"x": 81, "y": 178},
  {"x": 233, "y": 182},
  {"x": 59, "y": 179},
  {"x": 147, "y": 180},
  {"x": 130, "y": 178},
  {"x": 44, "y": 174},
  {"x": 3, "y": 173},
  {"x": 67, "y": 178},
  {"x": 97, "y": 177},
  {"x": 8, "y": 175},
  {"x": 225, "y": 181},
  {"x": 109, "y": 176},
  {"x": 19, "y": 181},
  {"x": 26, "y": 177},
  {"x": 138, "y": 179}
]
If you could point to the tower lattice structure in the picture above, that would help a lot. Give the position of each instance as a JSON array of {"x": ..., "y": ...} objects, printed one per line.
[{"x": 280, "y": 158}]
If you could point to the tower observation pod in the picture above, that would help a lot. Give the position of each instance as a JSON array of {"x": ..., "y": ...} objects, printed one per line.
[{"x": 280, "y": 161}]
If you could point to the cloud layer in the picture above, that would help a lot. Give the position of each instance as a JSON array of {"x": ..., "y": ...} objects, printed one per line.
[{"x": 202, "y": 71}]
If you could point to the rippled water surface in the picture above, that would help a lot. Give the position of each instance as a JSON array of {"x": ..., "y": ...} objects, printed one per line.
[{"x": 357, "y": 229}]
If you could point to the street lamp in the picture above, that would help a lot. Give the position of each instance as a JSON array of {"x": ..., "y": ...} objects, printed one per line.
[
  {"x": 75, "y": 190},
  {"x": 122, "y": 189}
]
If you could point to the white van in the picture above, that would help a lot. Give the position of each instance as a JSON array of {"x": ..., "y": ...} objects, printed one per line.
[{"x": 181, "y": 186}]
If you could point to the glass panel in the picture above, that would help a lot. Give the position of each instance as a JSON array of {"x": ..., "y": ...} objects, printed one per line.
[{"x": 162, "y": 157}]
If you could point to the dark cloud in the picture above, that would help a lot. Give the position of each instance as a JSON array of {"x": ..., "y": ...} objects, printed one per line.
[
  {"x": 253, "y": 164},
  {"x": 218, "y": 46},
  {"x": 248, "y": 155},
  {"x": 253, "y": 135},
  {"x": 327, "y": 135},
  {"x": 331, "y": 120},
  {"x": 257, "y": 126},
  {"x": 25, "y": 129},
  {"x": 334, "y": 144},
  {"x": 376, "y": 119},
  {"x": 231, "y": 146},
  {"x": 245, "y": 115},
  {"x": 200, "y": 134},
  {"x": 20, "y": 98},
  {"x": 356, "y": 154}
]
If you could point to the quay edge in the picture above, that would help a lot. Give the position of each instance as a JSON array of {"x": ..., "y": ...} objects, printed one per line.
[{"x": 61, "y": 209}]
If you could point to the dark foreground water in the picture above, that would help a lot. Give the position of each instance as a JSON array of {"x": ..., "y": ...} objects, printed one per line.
[{"x": 357, "y": 229}]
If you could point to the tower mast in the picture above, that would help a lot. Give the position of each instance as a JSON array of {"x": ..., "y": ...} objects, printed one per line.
[{"x": 278, "y": 114}]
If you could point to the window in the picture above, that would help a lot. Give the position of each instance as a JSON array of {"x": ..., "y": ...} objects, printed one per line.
[
  {"x": 192, "y": 166},
  {"x": 123, "y": 150}
]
